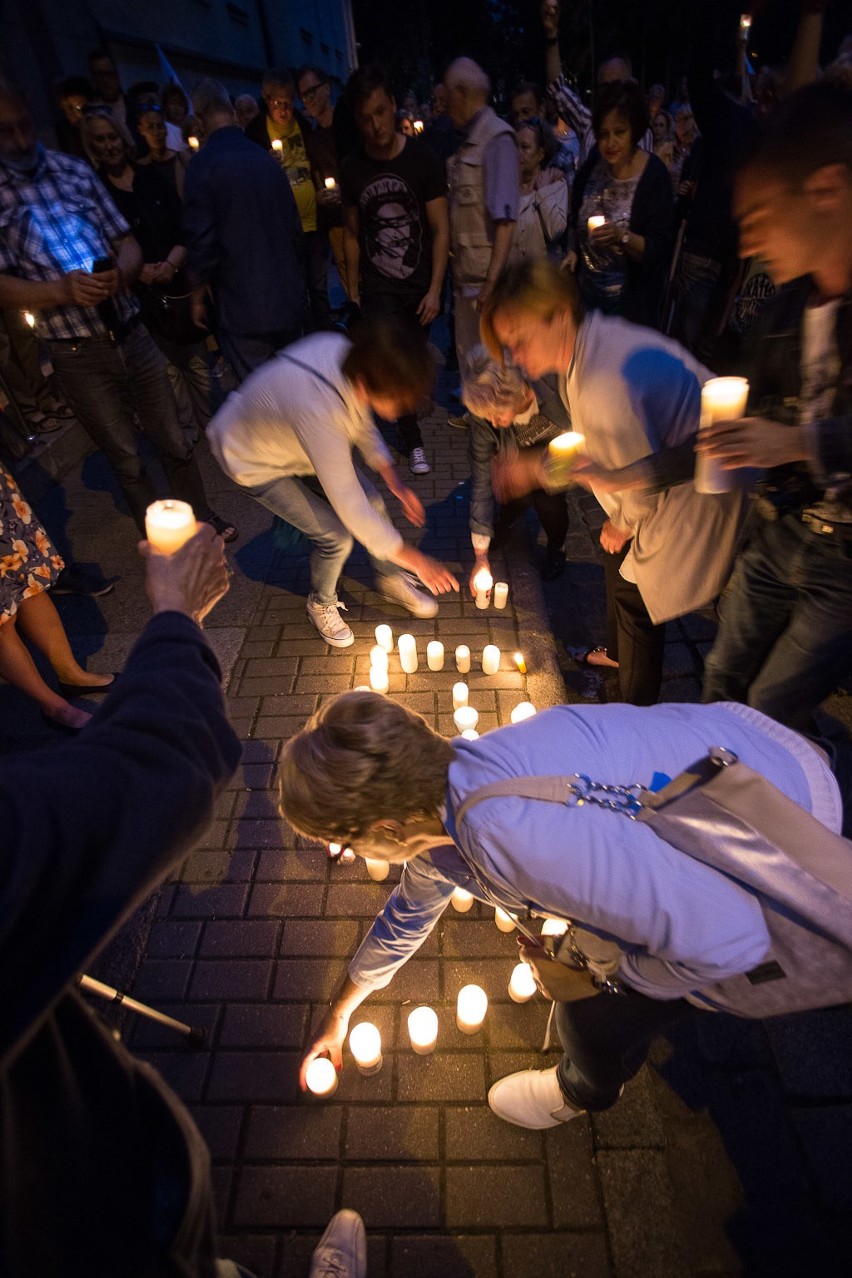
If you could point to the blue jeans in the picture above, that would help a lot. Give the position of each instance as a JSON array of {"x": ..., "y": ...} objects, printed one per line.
[
  {"x": 785, "y": 638},
  {"x": 293, "y": 500},
  {"x": 698, "y": 282},
  {"x": 109, "y": 386}
]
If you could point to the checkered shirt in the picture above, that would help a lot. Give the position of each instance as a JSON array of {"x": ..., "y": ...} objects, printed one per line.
[{"x": 58, "y": 219}]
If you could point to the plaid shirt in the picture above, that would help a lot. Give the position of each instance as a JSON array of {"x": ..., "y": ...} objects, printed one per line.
[{"x": 58, "y": 219}]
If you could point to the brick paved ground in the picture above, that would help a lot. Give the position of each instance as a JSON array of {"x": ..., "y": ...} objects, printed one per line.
[{"x": 716, "y": 1161}]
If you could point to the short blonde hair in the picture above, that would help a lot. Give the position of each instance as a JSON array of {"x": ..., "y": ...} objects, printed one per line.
[
  {"x": 359, "y": 760},
  {"x": 488, "y": 386},
  {"x": 533, "y": 287}
]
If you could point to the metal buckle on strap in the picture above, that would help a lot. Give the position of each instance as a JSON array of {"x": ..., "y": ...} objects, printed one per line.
[{"x": 617, "y": 798}]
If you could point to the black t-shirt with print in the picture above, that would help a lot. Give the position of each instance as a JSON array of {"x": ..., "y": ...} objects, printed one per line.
[{"x": 391, "y": 198}]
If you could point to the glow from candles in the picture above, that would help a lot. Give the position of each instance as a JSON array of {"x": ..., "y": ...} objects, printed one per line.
[
  {"x": 418, "y": 126},
  {"x": 562, "y": 453},
  {"x": 463, "y": 658},
  {"x": 347, "y": 856},
  {"x": 501, "y": 594},
  {"x": 168, "y": 524},
  {"x": 524, "y": 710},
  {"x": 490, "y": 659},
  {"x": 379, "y": 679},
  {"x": 330, "y": 184},
  {"x": 462, "y": 900},
  {"x": 723, "y": 399},
  {"x": 554, "y": 927},
  {"x": 465, "y": 718},
  {"x": 482, "y": 583},
  {"x": 278, "y": 147},
  {"x": 377, "y": 870},
  {"x": 471, "y": 1006},
  {"x": 435, "y": 655},
  {"x": 334, "y": 849},
  {"x": 29, "y": 319},
  {"x": 460, "y": 695},
  {"x": 321, "y": 1077},
  {"x": 407, "y": 645},
  {"x": 594, "y": 222},
  {"x": 384, "y": 638},
  {"x": 505, "y": 921},
  {"x": 379, "y": 656},
  {"x": 518, "y": 659},
  {"x": 365, "y": 1044},
  {"x": 470, "y": 734},
  {"x": 193, "y": 143},
  {"x": 423, "y": 1030},
  {"x": 522, "y": 983}
]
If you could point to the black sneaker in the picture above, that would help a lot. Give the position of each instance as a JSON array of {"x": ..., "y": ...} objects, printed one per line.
[{"x": 75, "y": 581}]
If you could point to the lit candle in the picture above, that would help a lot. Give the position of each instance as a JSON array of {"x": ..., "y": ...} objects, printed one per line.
[
  {"x": 518, "y": 659},
  {"x": 460, "y": 694},
  {"x": 524, "y": 710},
  {"x": 597, "y": 220},
  {"x": 321, "y": 1077},
  {"x": 408, "y": 653},
  {"x": 554, "y": 927},
  {"x": 168, "y": 524},
  {"x": 482, "y": 583},
  {"x": 29, "y": 318},
  {"x": 522, "y": 983},
  {"x": 278, "y": 148},
  {"x": 505, "y": 921},
  {"x": 377, "y": 870},
  {"x": 330, "y": 184},
  {"x": 347, "y": 856},
  {"x": 423, "y": 1030},
  {"x": 471, "y": 1006},
  {"x": 435, "y": 655},
  {"x": 334, "y": 850},
  {"x": 384, "y": 638},
  {"x": 193, "y": 143},
  {"x": 501, "y": 594},
  {"x": 490, "y": 659},
  {"x": 462, "y": 900},
  {"x": 561, "y": 455},
  {"x": 365, "y": 1044},
  {"x": 379, "y": 656},
  {"x": 470, "y": 734},
  {"x": 462, "y": 658},
  {"x": 379, "y": 679},
  {"x": 723, "y": 399},
  {"x": 418, "y": 126},
  {"x": 465, "y": 718}
]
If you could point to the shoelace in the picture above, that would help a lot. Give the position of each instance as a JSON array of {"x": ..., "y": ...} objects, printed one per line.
[{"x": 335, "y": 1265}]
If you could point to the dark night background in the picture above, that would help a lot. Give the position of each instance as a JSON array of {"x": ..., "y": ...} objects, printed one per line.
[{"x": 417, "y": 38}]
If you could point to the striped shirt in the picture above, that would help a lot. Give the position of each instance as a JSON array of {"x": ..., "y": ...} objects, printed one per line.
[{"x": 55, "y": 219}]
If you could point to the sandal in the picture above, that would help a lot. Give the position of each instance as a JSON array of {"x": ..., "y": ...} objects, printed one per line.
[
  {"x": 226, "y": 531},
  {"x": 582, "y": 657}
]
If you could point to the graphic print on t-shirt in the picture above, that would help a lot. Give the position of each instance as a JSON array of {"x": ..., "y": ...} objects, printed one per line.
[{"x": 392, "y": 230}]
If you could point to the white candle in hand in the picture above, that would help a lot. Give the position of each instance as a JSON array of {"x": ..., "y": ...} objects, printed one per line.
[
  {"x": 723, "y": 399},
  {"x": 423, "y": 1030},
  {"x": 595, "y": 221},
  {"x": 522, "y": 983},
  {"x": 482, "y": 583},
  {"x": 168, "y": 524},
  {"x": 321, "y": 1077},
  {"x": 490, "y": 659},
  {"x": 330, "y": 184},
  {"x": 561, "y": 454},
  {"x": 435, "y": 655},
  {"x": 471, "y": 1006},
  {"x": 365, "y": 1044}
]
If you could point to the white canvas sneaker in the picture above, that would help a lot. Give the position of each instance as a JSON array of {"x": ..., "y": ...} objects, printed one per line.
[
  {"x": 342, "y": 1250},
  {"x": 403, "y": 589},
  {"x": 329, "y": 624},
  {"x": 417, "y": 462},
  {"x": 531, "y": 1098}
]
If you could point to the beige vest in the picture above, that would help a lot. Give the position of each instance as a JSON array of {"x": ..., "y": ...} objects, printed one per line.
[{"x": 471, "y": 229}]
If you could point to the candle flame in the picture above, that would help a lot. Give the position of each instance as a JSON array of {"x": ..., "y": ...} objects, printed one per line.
[{"x": 520, "y": 663}]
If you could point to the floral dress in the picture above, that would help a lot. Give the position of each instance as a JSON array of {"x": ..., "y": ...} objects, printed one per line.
[{"x": 29, "y": 562}]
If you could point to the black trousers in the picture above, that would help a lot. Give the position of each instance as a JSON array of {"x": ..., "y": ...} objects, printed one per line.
[
  {"x": 404, "y": 312},
  {"x": 632, "y": 638},
  {"x": 551, "y": 508}
]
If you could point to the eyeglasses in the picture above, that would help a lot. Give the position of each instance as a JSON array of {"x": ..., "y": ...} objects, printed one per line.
[{"x": 309, "y": 94}]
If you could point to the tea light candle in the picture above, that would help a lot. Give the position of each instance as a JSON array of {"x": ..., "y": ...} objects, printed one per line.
[
  {"x": 193, "y": 143},
  {"x": 723, "y": 399},
  {"x": 490, "y": 659},
  {"x": 435, "y": 655},
  {"x": 379, "y": 679},
  {"x": 518, "y": 659},
  {"x": 365, "y": 1044},
  {"x": 561, "y": 455},
  {"x": 463, "y": 658},
  {"x": 471, "y": 1006},
  {"x": 321, "y": 1077},
  {"x": 384, "y": 638},
  {"x": 278, "y": 148},
  {"x": 505, "y": 921},
  {"x": 470, "y": 734},
  {"x": 460, "y": 695},
  {"x": 462, "y": 900},
  {"x": 482, "y": 583},
  {"x": 522, "y": 983},
  {"x": 168, "y": 524},
  {"x": 465, "y": 718},
  {"x": 554, "y": 927},
  {"x": 594, "y": 222},
  {"x": 330, "y": 184},
  {"x": 423, "y": 1030},
  {"x": 501, "y": 594},
  {"x": 524, "y": 710},
  {"x": 377, "y": 870},
  {"x": 408, "y": 653}
]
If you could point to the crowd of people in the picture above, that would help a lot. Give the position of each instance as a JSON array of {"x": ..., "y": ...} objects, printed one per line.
[{"x": 598, "y": 261}]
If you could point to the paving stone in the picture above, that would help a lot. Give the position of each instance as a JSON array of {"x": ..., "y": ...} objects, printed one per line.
[
  {"x": 355, "y": 900},
  {"x": 172, "y": 940},
  {"x": 572, "y": 1176},
  {"x": 258, "y": 776},
  {"x": 201, "y": 901},
  {"x": 234, "y": 979},
  {"x": 557, "y": 1256},
  {"x": 292, "y": 864},
  {"x": 643, "y": 1225},
  {"x": 148, "y": 1036},
  {"x": 220, "y": 1126},
  {"x": 398, "y": 1197},
  {"x": 442, "y": 1076},
  {"x": 258, "y": 833},
  {"x": 240, "y": 939},
  {"x": 263, "y": 1025},
  {"x": 305, "y": 979},
  {"x": 286, "y": 900},
  {"x": 293, "y": 1132},
  {"x": 184, "y": 1071},
  {"x": 336, "y": 938},
  {"x": 218, "y": 866},
  {"x": 466, "y": 937},
  {"x": 506, "y": 1196},
  {"x": 283, "y": 1196},
  {"x": 459, "y": 1256},
  {"x": 254, "y": 1076},
  {"x": 298, "y": 1249},
  {"x": 162, "y": 979},
  {"x": 633, "y": 1121},
  {"x": 392, "y": 1133},
  {"x": 255, "y": 1252},
  {"x": 474, "y": 1133}
]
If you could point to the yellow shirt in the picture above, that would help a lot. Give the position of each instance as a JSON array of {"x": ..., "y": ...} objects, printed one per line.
[{"x": 297, "y": 168}]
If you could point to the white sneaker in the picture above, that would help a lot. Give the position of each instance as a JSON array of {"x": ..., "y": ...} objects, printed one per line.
[
  {"x": 531, "y": 1098},
  {"x": 403, "y": 589},
  {"x": 417, "y": 462},
  {"x": 342, "y": 1250},
  {"x": 458, "y": 421},
  {"x": 329, "y": 623}
]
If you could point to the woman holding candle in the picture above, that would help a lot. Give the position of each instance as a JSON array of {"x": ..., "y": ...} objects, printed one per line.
[
  {"x": 635, "y": 397},
  {"x": 509, "y": 415},
  {"x": 656, "y": 926},
  {"x": 543, "y": 207}
]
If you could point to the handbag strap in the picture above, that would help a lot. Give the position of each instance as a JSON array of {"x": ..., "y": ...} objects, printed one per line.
[{"x": 291, "y": 359}]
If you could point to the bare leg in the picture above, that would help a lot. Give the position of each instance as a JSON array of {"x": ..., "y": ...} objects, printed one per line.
[
  {"x": 39, "y": 621},
  {"x": 18, "y": 668}
]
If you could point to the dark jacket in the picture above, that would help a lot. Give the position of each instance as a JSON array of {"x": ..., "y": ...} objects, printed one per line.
[
  {"x": 102, "y": 1171},
  {"x": 243, "y": 235}
]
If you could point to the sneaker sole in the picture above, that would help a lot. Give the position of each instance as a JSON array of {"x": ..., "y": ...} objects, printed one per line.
[{"x": 421, "y": 613}]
